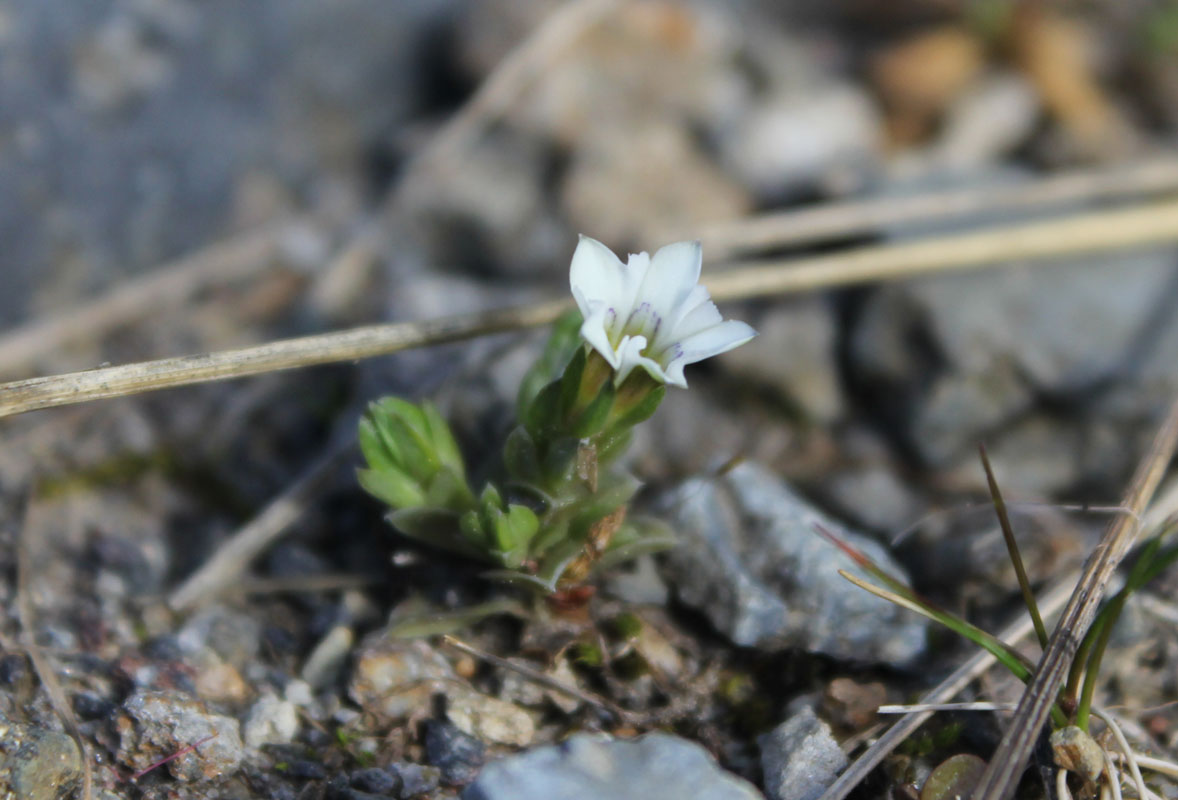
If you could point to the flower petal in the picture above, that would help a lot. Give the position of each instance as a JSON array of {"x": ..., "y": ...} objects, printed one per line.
[
  {"x": 597, "y": 274},
  {"x": 714, "y": 340},
  {"x": 629, "y": 356},
  {"x": 595, "y": 331},
  {"x": 674, "y": 274}
]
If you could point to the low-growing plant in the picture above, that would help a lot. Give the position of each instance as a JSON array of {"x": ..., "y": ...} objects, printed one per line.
[{"x": 559, "y": 509}]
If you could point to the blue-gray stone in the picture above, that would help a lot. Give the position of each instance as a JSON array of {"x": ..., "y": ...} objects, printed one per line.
[
  {"x": 656, "y": 766},
  {"x": 750, "y": 557}
]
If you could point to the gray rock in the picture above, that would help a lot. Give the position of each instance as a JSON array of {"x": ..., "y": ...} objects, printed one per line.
[
  {"x": 656, "y": 766},
  {"x": 804, "y": 137},
  {"x": 35, "y": 763},
  {"x": 874, "y": 497},
  {"x": 751, "y": 560},
  {"x": 458, "y": 755},
  {"x": 136, "y": 127},
  {"x": 489, "y": 718},
  {"x": 971, "y": 352},
  {"x": 271, "y": 720},
  {"x": 154, "y": 725},
  {"x": 800, "y": 758},
  {"x": 395, "y": 678}
]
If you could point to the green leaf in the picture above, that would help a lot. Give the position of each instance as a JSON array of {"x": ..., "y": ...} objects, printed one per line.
[
  {"x": 558, "y": 351},
  {"x": 391, "y": 486},
  {"x": 523, "y": 523},
  {"x": 417, "y": 452},
  {"x": 437, "y": 527},
  {"x": 449, "y": 490},
  {"x": 542, "y": 416},
  {"x": 372, "y": 446},
  {"x": 520, "y": 456},
  {"x": 570, "y": 382},
  {"x": 470, "y": 525},
  {"x": 443, "y": 440}
]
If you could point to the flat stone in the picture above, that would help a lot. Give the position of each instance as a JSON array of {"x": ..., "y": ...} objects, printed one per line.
[
  {"x": 800, "y": 758},
  {"x": 656, "y": 766},
  {"x": 751, "y": 559},
  {"x": 155, "y": 725},
  {"x": 35, "y": 763}
]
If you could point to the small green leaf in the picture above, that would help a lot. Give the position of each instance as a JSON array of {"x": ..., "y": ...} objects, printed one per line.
[
  {"x": 449, "y": 490},
  {"x": 520, "y": 457},
  {"x": 417, "y": 453},
  {"x": 372, "y": 446},
  {"x": 471, "y": 526},
  {"x": 436, "y": 527},
  {"x": 443, "y": 440},
  {"x": 392, "y": 487},
  {"x": 542, "y": 416},
  {"x": 523, "y": 523},
  {"x": 558, "y": 351},
  {"x": 570, "y": 383}
]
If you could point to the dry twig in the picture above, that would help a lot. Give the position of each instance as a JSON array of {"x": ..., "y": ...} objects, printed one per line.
[
  {"x": 790, "y": 228},
  {"x": 1143, "y": 225}
]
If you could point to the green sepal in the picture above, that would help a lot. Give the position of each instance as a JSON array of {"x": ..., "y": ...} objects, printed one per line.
[
  {"x": 640, "y": 411},
  {"x": 612, "y": 444},
  {"x": 593, "y": 419},
  {"x": 391, "y": 486}
]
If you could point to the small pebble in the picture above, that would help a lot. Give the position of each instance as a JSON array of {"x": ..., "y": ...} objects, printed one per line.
[
  {"x": 306, "y": 770},
  {"x": 458, "y": 755},
  {"x": 377, "y": 781},
  {"x": 416, "y": 779}
]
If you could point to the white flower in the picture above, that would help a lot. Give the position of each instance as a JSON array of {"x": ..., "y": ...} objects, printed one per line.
[{"x": 650, "y": 312}]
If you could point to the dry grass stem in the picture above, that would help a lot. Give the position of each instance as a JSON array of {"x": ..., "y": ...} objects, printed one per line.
[
  {"x": 1140, "y": 226},
  {"x": 1006, "y": 765},
  {"x": 919, "y": 707},
  {"x": 819, "y": 223},
  {"x": 1083, "y": 233}
]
